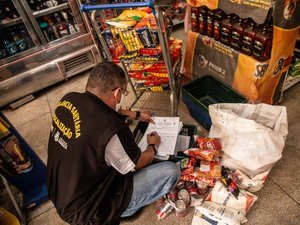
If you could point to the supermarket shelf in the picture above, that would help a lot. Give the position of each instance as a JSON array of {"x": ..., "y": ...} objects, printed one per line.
[
  {"x": 177, "y": 22},
  {"x": 51, "y": 10},
  {"x": 11, "y": 23},
  {"x": 291, "y": 83}
]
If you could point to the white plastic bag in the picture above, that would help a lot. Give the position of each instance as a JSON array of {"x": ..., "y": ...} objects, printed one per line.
[
  {"x": 220, "y": 195},
  {"x": 213, "y": 213},
  {"x": 253, "y": 184},
  {"x": 253, "y": 136}
]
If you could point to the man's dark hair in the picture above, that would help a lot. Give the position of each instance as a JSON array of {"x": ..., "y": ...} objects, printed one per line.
[{"x": 105, "y": 77}]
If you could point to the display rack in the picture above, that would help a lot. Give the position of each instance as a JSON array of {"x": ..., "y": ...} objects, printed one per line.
[{"x": 149, "y": 57}]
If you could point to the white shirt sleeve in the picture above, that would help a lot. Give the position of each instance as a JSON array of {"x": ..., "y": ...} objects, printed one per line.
[{"x": 116, "y": 156}]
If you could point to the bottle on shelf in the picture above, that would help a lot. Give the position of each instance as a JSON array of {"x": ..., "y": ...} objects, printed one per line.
[
  {"x": 44, "y": 27},
  {"x": 262, "y": 45},
  {"x": 73, "y": 20},
  {"x": 226, "y": 28},
  {"x": 25, "y": 35},
  {"x": 9, "y": 46},
  {"x": 10, "y": 13},
  {"x": 18, "y": 40},
  {"x": 62, "y": 27},
  {"x": 210, "y": 23},
  {"x": 203, "y": 20},
  {"x": 70, "y": 26},
  {"x": 53, "y": 29},
  {"x": 195, "y": 19},
  {"x": 237, "y": 34},
  {"x": 248, "y": 38},
  {"x": 3, "y": 52},
  {"x": 219, "y": 15}
]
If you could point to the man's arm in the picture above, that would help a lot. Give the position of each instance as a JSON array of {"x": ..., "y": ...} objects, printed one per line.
[{"x": 147, "y": 156}]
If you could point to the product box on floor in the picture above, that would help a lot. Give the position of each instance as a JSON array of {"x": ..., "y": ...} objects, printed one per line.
[{"x": 202, "y": 92}]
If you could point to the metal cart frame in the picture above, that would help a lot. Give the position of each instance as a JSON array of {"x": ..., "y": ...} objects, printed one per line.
[{"x": 174, "y": 81}]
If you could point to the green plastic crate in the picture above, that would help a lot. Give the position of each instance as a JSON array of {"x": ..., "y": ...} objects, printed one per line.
[{"x": 202, "y": 92}]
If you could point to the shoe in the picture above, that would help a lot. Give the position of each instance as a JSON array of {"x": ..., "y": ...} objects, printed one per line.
[{"x": 133, "y": 216}]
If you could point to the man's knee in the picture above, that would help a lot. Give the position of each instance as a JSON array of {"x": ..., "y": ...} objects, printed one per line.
[{"x": 170, "y": 170}]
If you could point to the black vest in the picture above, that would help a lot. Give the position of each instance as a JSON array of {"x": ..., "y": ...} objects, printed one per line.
[{"x": 82, "y": 187}]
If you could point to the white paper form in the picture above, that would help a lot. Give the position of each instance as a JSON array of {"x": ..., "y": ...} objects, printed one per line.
[{"x": 167, "y": 128}]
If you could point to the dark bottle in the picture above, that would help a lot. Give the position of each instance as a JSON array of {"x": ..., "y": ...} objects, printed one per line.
[
  {"x": 248, "y": 39},
  {"x": 41, "y": 4},
  {"x": 203, "y": 20},
  {"x": 237, "y": 35},
  {"x": 52, "y": 27},
  {"x": 195, "y": 19},
  {"x": 62, "y": 27},
  {"x": 2, "y": 16},
  {"x": 3, "y": 52},
  {"x": 262, "y": 45},
  {"x": 10, "y": 13},
  {"x": 19, "y": 41},
  {"x": 210, "y": 23},
  {"x": 25, "y": 35},
  {"x": 44, "y": 27},
  {"x": 10, "y": 47},
  {"x": 70, "y": 26},
  {"x": 73, "y": 20},
  {"x": 219, "y": 16},
  {"x": 32, "y": 5},
  {"x": 226, "y": 29}
]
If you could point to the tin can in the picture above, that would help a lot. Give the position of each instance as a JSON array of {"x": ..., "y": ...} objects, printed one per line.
[
  {"x": 202, "y": 188},
  {"x": 180, "y": 208},
  {"x": 184, "y": 195},
  {"x": 180, "y": 185},
  {"x": 196, "y": 200},
  {"x": 172, "y": 195},
  {"x": 191, "y": 188},
  {"x": 164, "y": 210}
]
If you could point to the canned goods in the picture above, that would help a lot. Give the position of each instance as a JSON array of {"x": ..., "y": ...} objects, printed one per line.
[
  {"x": 180, "y": 208},
  {"x": 180, "y": 185},
  {"x": 184, "y": 195},
  {"x": 164, "y": 210},
  {"x": 172, "y": 195},
  {"x": 196, "y": 200},
  {"x": 191, "y": 188},
  {"x": 202, "y": 187}
]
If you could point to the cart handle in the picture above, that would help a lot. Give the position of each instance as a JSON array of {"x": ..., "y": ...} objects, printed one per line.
[{"x": 87, "y": 8}]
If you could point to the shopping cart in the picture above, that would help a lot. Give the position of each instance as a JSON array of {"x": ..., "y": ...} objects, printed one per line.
[{"x": 139, "y": 40}]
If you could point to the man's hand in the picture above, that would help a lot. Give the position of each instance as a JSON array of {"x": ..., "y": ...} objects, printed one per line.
[
  {"x": 153, "y": 138},
  {"x": 146, "y": 117}
]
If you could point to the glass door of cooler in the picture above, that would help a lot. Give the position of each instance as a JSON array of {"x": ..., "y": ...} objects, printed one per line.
[
  {"x": 55, "y": 20},
  {"x": 17, "y": 36}
]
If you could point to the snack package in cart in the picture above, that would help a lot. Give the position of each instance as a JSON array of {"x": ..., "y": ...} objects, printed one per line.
[
  {"x": 210, "y": 213},
  {"x": 220, "y": 195}
]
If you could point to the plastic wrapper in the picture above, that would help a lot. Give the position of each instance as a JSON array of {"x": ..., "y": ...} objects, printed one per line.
[
  {"x": 220, "y": 195},
  {"x": 128, "y": 18},
  {"x": 212, "y": 213},
  {"x": 145, "y": 37},
  {"x": 208, "y": 155},
  {"x": 148, "y": 20},
  {"x": 208, "y": 170},
  {"x": 206, "y": 143},
  {"x": 251, "y": 184},
  {"x": 130, "y": 40}
]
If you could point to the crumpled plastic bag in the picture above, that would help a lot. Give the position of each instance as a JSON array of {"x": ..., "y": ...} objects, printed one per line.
[{"x": 253, "y": 136}]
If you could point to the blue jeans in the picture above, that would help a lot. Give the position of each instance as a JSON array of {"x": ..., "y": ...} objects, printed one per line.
[{"x": 151, "y": 183}]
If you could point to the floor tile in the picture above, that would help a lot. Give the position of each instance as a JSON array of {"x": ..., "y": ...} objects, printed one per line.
[
  {"x": 273, "y": 207},
  {"x": 36, "y": 134},
  {"x": 50, "y": 217},
  {"x": 28, "y": 112}
]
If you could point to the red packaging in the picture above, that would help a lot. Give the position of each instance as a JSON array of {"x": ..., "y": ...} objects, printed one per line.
[{"x": 205, "y": 143}]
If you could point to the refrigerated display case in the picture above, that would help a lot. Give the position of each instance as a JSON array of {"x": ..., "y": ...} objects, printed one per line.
[{"x": 42, "y": 42}]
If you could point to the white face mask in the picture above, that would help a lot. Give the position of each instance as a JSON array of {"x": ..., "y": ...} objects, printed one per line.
[{"x": 118, "y": 105}]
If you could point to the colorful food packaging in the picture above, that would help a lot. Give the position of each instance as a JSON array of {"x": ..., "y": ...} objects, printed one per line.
[
  {"x": 208, "y": 155},
  {"x": 220, "y": 195},
  {"x": 208, "y": 143}
]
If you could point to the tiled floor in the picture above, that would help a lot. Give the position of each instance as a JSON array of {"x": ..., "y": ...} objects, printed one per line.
[{"x": 278, "y": 202}]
